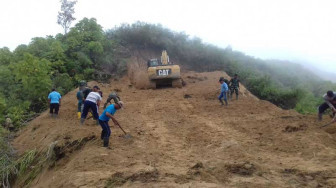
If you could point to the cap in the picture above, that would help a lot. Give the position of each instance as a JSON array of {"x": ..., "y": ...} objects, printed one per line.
[
  {"x": 96, "y": 87},
  {"x": 330, "y": 94},
  {"x": 82, "y": 83},
  {"x": 121, "y": 104}
]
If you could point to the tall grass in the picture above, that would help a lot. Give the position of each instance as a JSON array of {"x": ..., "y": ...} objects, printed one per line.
[
  {"x": 7, "y": 161},
  {"x": 10, "y": 167},
  {"x": 24, "y": 162}
]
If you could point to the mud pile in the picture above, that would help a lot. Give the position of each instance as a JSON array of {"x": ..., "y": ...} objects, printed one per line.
[{"x": 183, "y": 138}]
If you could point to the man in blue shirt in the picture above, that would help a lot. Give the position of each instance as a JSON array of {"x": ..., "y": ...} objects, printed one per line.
[
  {"x": 54, "y": 102},
  {"x": 224, "y": 90},
  {"x": 104, "y": 119}
]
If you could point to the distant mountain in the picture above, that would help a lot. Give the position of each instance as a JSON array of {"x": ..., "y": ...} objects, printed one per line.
[
  {"x": 324, "y": 75},
  {"x": 329, "y": 76}
]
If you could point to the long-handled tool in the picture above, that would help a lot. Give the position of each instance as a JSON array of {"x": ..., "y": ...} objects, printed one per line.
[
  {"x": 126, "y": 134},
  {"x": 333, "y": 121}
]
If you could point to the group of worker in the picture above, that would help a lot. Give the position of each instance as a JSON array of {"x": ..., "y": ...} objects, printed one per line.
[
  {"x": 228, "y": 88},
  {"x": 89, "y": 100}
]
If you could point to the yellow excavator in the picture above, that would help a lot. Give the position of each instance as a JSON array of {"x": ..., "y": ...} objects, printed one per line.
[{"x": 163, "y": 73}]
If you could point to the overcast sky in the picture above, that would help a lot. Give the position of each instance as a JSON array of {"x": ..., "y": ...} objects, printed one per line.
[{"x": 302, "y": 30}]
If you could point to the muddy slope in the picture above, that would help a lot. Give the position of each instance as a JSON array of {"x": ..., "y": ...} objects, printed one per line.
[{"x": 183, "y": 137}]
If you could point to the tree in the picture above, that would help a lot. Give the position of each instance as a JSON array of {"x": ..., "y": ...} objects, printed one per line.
[
  {"x": 85, "y": 43},
  {"x": 65, "y": 16},
  {"x": 6, "y": 56},
  {"x": 33, "y": 74},
  {"x": 2, "y": 104},
  {"x": 39, "y": 46},
  {"x": 7, "y": 82}
]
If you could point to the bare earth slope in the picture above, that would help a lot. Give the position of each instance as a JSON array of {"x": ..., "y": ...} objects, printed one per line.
[{"x": 184, "y": 138}]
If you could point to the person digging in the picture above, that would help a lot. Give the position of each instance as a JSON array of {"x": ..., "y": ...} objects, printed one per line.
[
  {"x": 104, "y": 119},
  {"x": 80, "y": 104},
  {"x": 112, "y": 96},
  {"x": 92, "y": 102},
  {"x": 329, "y": 102}
]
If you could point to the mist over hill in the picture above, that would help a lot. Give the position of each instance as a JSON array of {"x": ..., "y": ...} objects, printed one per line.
[
  {"x": 329, "y": 76},
  {"x": 87, "y": 51}
]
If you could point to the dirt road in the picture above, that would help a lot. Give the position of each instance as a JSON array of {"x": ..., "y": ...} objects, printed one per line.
[{"x": 184, "y": 138}]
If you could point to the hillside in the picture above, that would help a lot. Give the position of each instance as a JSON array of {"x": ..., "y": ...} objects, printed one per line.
[
  {"x": 183, "y": 138},
  {"x": 29, "y": 72}
]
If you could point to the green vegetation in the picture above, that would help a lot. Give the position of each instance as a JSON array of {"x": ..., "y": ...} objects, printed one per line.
[
  {"x": 28, "y": 73},
  {"x": 7, "y": 162},
  {"x": 9, "y": 166}
]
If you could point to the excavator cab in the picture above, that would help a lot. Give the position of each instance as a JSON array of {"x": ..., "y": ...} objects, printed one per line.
[{"x": 153, "y": 63}]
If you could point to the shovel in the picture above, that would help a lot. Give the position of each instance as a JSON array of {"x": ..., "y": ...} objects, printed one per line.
[
  {"x": 333, "y": 121},
  {"x": 127, "y": 136}
]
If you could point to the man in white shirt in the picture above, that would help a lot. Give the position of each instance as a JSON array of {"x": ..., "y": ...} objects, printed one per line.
[{"x": 92, "y": 102}]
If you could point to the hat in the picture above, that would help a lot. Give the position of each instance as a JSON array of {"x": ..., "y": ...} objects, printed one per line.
[
  {"x": 330, "y": 94},
  {"x": 121, "y": 104},
  {"x": 96, "y": 87},
  {"x": 82, "y": 83}
]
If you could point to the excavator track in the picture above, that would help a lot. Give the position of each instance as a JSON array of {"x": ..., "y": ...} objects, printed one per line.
[
  {"x": 177, "y": 83},
  {"x": 152, "y": 84}
]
